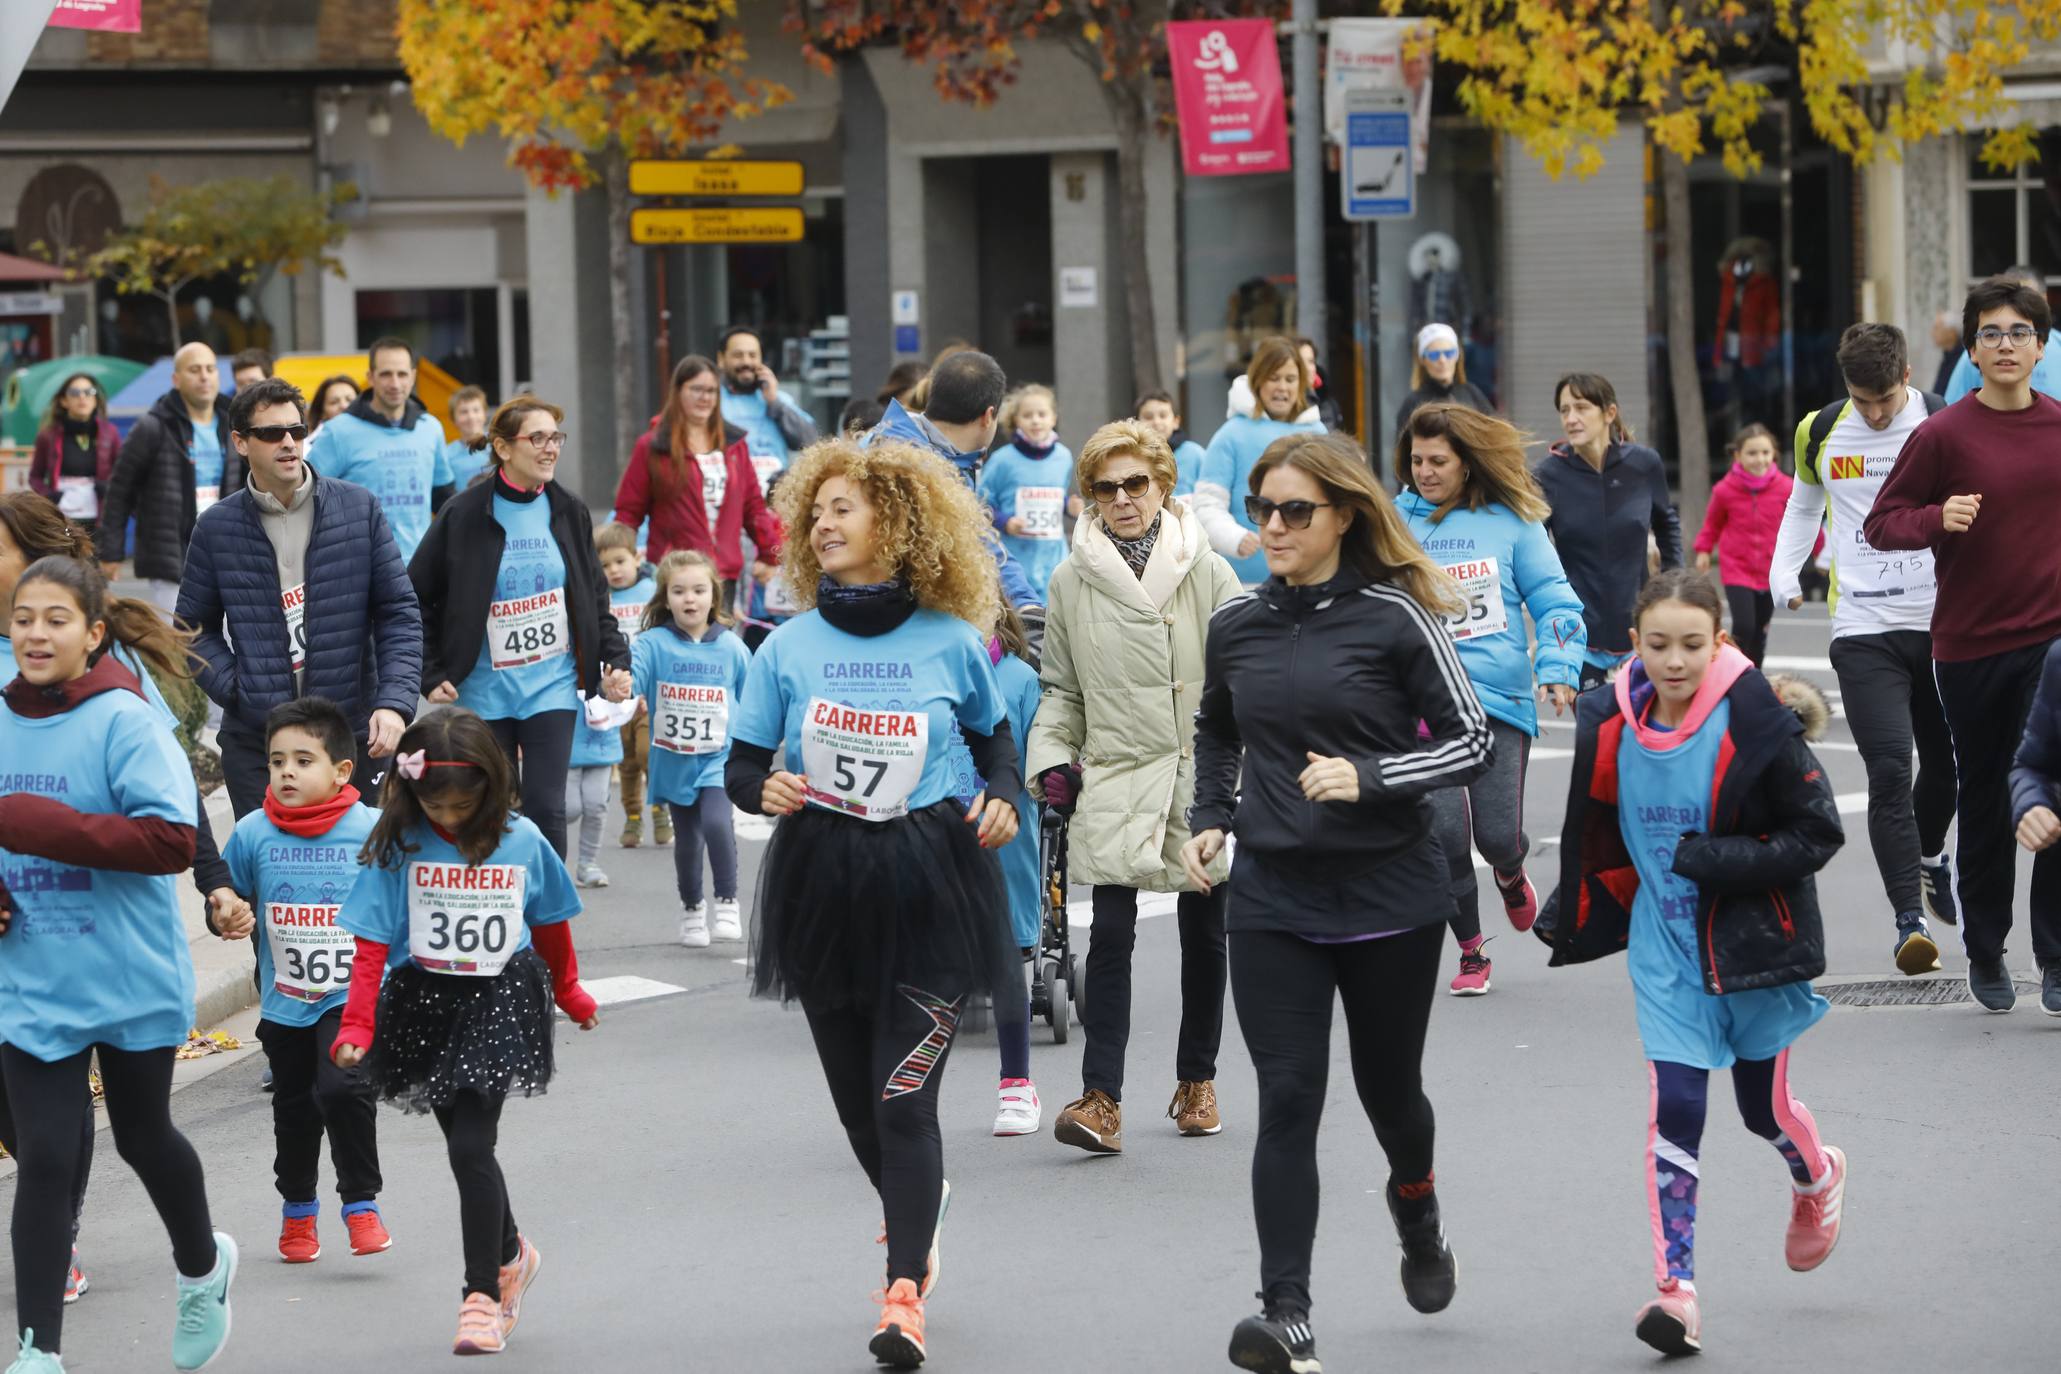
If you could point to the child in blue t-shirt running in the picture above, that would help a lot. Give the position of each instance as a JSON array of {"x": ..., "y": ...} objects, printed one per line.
[
  {"x": 291, "y": 864},
  {"x": 1027, "y": 484}
]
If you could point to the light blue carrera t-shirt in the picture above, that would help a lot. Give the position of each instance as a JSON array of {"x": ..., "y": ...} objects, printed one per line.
[
  {"x": 1013, "y": 484},
  {"x": 529, "y": 625},
  {"x": 296, "y": 887},
  {"x": 691, "y": 688},
  {"x": 402, "y": 467},
  {"x": 447, "y": 916},
  {"x": 205, "y": 451}
]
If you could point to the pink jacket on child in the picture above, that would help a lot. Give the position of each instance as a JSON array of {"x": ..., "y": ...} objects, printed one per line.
[{"x": 1746, "y": 513}]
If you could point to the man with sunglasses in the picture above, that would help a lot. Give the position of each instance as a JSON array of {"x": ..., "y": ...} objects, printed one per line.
[
  {"x": 297, "y": 588},
  {"x": 1978, "y": 484}
]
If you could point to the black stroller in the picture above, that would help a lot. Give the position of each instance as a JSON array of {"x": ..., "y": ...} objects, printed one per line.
[{"x": 1055, "y": 979}]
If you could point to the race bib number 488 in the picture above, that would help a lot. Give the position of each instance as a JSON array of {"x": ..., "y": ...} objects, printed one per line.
[
  {"x": 863, "y": 763},
  {"x": 527, "y": 629},
  {"x": 464, "y": 919}
]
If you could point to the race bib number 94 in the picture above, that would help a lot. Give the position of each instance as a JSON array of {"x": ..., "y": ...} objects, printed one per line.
[
  {"x": 692, "y": 718},
  {"x": 1482, "y": 584},
  {"x": 527, "y": 629},
  {"x": 863, "y": 763},
  {"x": 311, "y": 955},
  {"x": 464, "y": 919},
  {"x": 1041, "y": 509}
]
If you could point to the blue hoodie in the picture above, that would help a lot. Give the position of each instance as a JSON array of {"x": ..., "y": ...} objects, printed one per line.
[
  {"x": 1492, "y": 547},
  {"x": 1225, "y": 466},
  {"x": 403, "y": 465},
  {"x": 898, "y": 423}
]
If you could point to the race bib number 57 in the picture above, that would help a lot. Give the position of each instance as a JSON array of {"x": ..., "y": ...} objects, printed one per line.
[
  {"x": 464, "y": 919},
  {"x": 863, "y": 763},
  {"x": 527, "y": 629}
]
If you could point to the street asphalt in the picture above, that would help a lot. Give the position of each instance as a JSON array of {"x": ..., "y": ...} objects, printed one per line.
[{"x": 697, "y": 1207}]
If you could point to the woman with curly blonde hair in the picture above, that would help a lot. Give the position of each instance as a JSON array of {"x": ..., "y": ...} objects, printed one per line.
[{"x": 881, "y": 907}]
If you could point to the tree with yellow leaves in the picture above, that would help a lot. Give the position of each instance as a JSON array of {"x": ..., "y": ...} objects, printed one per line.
[
  {"x": 1873, "y": 75},
  {"x": 570, "y": 82}
]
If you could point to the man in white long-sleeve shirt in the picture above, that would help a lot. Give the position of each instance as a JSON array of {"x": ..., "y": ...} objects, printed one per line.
[{"x": 1881, "y": 628}]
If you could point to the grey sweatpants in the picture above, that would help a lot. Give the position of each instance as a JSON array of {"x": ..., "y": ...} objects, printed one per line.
[
  {"x": 1487, "y": 815},
  {"x": 586, "y": 801}
]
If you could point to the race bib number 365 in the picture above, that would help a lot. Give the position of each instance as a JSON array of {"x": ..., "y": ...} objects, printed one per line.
[
  {"x": 863, "y": 763},
  {"x": 311, "y": 954},
  {"x": 527, "y": 629},
  {"x": 1481, "y": 582},
  {"x": 464, "y": 919},
  {"x": 691, "y": 718}
]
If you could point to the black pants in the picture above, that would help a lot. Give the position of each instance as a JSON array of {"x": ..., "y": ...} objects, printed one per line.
[
  {"x": 247, "y": 775},
  {"x": 312, "y": 1097},
  {"x": 1986, "y": 702},
  {"x": 539, "y": 748},
  {"x": 1890, "y": 699},
  {"x": 10, "y": 1142},
  {"x": 1751, "y": 612},
  {"x": 471, "y": 1125},
  {"x": 1106, "y": 1020},
  {"x": 1283, "y": 985},
  {"x": 884, "y": 1068},
  {"x": 49, "y": 1099}
]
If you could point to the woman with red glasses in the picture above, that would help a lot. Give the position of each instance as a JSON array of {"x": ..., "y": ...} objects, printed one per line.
[{"x": 1440, "y": 374}]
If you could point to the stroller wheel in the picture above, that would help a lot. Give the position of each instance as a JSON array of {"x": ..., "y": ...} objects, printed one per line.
[{"x": 1062, "y": 1012}]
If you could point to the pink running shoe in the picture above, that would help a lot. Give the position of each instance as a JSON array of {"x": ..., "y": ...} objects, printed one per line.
[
  {"x": 1520, "y": 900},
  {"x": 1814, "y": 1219},
  {"x": 1473, "y": 978},
  {"x": 1671, "y": 1323}
]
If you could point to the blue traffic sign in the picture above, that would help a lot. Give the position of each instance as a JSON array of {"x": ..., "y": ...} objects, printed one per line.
[{"x": 1377, "y": 178}]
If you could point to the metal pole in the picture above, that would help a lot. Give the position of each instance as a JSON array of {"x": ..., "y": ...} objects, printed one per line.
[
  {"x": 1309, "y": 175},
  {"x": 1367, "y": 310},
  {"x": 665, "y": 319},
  {"x": 1782, "y": 110},
  {"x": 1363, "y": 352}
]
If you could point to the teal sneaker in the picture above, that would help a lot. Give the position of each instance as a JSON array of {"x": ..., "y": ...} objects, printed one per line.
[
  {"x": 204, "y": 1312},
  {"x": 34, "y": 1361}
]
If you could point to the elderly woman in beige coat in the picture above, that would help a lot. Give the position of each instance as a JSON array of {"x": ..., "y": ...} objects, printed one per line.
[{"x": 1125, "y": 622}]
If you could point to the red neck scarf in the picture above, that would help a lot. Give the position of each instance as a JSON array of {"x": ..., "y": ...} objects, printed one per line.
[{"x": 310, "y": 822}]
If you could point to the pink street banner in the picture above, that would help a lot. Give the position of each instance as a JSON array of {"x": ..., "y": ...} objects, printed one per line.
[
  {"x": 1228, "y": 96},
  {"x": 105, "y": 16}
]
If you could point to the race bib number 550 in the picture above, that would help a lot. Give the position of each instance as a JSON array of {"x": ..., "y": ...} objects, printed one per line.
[
  {"x": 863, "y": 763},
  {"x": 464, "y": 919}
]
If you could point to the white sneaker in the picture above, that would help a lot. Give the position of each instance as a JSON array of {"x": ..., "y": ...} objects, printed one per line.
[
  {"x": 694, "y": 926},
  {"x": 1017, "y": 1111},
  {"x": 729, "y": 925},
  {"x": 590, "y": 875}
]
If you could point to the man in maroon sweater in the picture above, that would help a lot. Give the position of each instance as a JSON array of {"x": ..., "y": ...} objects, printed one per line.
[{"x": 1979, "y": 484}]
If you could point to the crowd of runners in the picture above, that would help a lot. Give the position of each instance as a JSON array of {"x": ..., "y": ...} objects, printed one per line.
[{"x": 1253, "y": 674}]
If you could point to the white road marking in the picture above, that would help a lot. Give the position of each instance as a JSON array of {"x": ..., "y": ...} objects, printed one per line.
[
  {"x": 1797, "y": 663},
  {"x": 628, "y": 987}
]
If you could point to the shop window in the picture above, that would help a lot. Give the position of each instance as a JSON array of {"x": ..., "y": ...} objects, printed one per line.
[
  {"x": 458, "y": 330},
  {"x": 2015, "y": 217}
]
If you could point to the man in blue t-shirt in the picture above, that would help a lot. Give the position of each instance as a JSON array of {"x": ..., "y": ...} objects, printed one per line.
[
  {"x": 774, "y": 424},
  {"x": 387, "y": 443}
]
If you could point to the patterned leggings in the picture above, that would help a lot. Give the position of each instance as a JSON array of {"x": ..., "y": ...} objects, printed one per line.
[{"x": 1675, "y": 1138}]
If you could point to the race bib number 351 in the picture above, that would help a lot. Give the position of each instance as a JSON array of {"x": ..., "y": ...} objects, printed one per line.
[
  {"x": 527, "y": 629},
  {"x": 863, "y": 763},
  {"x": 311, "y": 954},
  {"x": 464, "y": 919},
  {"x": 691, "y": 718},
  {"x": 1481, "y": 582}
]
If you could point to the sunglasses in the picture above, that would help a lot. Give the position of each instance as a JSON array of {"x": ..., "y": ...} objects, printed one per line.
[
  {"x": 273, "y": 434},
  {"x": 1133, "y": 486},
  {"x": 81, "y": 391},
  {"x": 1296, "y": 515},
  {"x": 1439, "y": 355}
]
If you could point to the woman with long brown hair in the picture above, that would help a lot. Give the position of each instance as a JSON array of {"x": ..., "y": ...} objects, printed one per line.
[
  {"x": 75, "y": 450},
  {"x": 1280, "y": 383},
  {"x": 692, "y": 474},
  {"x": 1316, "y": 682},
  {"x": 1472, "y": 505}
]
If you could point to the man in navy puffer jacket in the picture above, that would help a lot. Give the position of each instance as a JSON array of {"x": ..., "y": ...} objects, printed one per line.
[{"x": 296, "y": 588}]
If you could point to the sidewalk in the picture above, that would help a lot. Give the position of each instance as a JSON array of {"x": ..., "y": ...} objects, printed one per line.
[{"x": 223, "y": 970}]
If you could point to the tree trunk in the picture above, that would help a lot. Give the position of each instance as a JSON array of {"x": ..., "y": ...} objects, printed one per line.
[
  {"x": 616, "y": 176},
  {"x": 1692, "y": 431},
  {"x": 171, "y": 300},
  {"x": 1130, "y": 102}
]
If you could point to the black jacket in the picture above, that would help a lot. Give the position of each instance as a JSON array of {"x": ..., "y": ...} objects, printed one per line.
[
  {"x": 1774, "y": 824},
  {"x": 1431, "y": 393},
  {"x": 1599, "y": 523},
  {"x": 2036, "y": 771},
  {"x": 362, "y": 632},
  {"x": 153, "y": 481},
  {"x": 454, "y": 572},
  {"x": 1346, "y": 669}
]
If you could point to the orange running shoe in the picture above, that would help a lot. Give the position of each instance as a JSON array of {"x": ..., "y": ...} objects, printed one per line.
[
  {"x": 479, "y": 1327},
  {"x": 368, "y": 1232},
  {"x": 298, "y": 1243},
  {"x": 898, "y": 1340},
  {"x": 516, "y": 1277}
]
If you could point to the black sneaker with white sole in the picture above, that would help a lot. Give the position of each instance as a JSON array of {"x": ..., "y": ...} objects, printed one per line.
[
  {"x": 1991, "y": 983},
  {"x": 1430, "y": 1273},
  {"x": 1936, "y": 886},
  {"x": 2050, "y": 990},
  {"x": 1277, "y": 1341}
]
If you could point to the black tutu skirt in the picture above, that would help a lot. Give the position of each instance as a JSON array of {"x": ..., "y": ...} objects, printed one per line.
[
  {"x": 850, "y": 909},
  {"x": 442, "y": 1034}
]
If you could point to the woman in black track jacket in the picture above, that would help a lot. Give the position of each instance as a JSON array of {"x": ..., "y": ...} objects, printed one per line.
[{"x": 1319, "y": 678}]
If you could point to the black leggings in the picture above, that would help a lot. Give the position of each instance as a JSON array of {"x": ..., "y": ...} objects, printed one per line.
[
  {"x": 707, "y": 822},
  {"x": 1752, "y": 612},
  {"x": 49, "y": 1099},
  {"x": 1106, "y": 1020},
  {"x": 539, "y": 748},
  {"x": 313, "y": 1098},
  {"x": 884, "y": 1068},
  {"x": 10, "y": 1142},
  {"x": 471, "y": 1126},
  {"x": 1282, "y": 986}
]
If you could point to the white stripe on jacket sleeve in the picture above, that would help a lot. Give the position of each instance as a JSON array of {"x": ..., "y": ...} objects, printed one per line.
[{"x": 1467, "y": 750}]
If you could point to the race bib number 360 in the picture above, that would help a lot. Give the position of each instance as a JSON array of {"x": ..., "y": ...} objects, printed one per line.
[
  {"x": 863, "y": 763},
  {"x": 1481, "y": 583},
  {"x": 691, "y": 718},
  {"x": 311, "y": 954},
  {"x": 1041, "y": 510},
  {"x": 464, "y": 919},
  {"x": 527, "y": 629}
]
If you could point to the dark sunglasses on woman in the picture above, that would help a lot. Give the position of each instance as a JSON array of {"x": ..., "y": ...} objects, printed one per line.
[
  {"x": 1296, "y": 515},
  {"x": 1133, "y": 486}
]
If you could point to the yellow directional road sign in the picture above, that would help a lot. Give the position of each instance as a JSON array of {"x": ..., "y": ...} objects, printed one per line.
[
  {"x": 659, "y": 177},
  {"x": 757, "y": 224}
]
